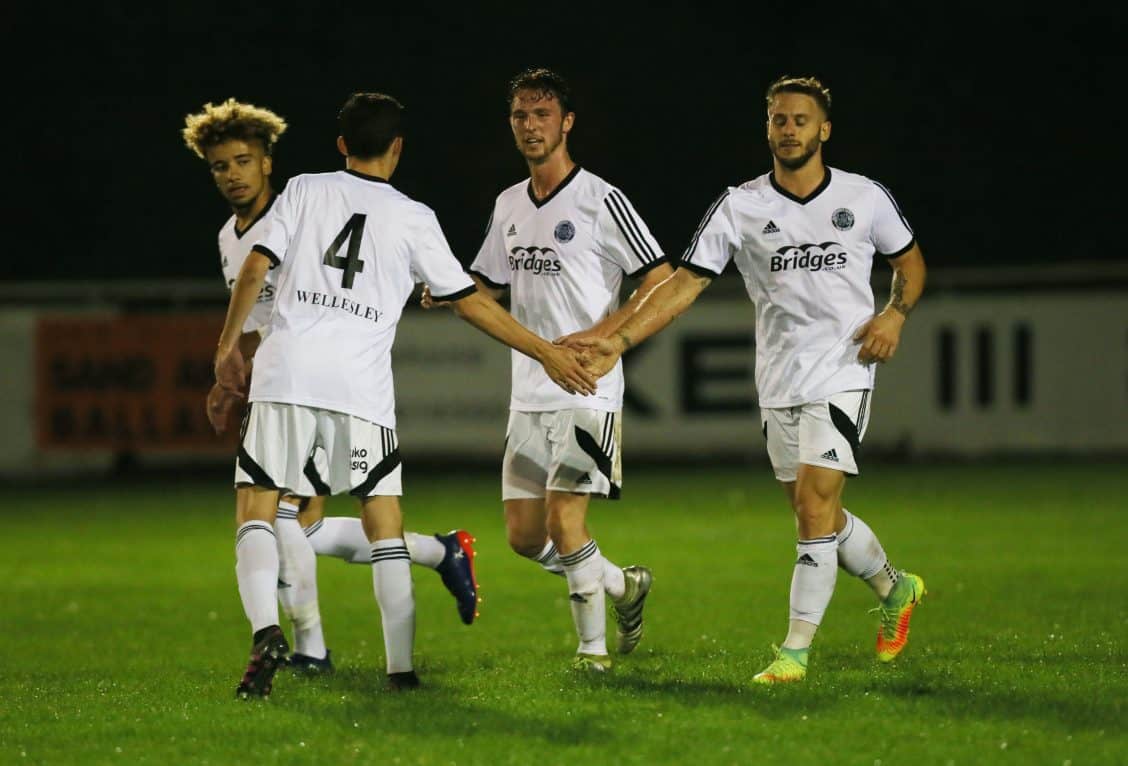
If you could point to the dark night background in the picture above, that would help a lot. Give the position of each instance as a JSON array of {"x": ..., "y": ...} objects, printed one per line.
[{"x": 1000, "y": 137}]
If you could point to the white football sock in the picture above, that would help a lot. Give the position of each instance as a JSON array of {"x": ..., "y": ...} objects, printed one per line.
[
  {"x": 812, "y": 585},
  {"x": 614, "y": 582},
  {"x": 584, "y": 570},
  {"x": 860, "y": 553},
  {"x": 425, "y": 550},
  {"x": 256, "y": 569},
  {"x": 343, "y": 537},
  {"x": 391, "y": 581},
  {"x": 297, "y": 582}
]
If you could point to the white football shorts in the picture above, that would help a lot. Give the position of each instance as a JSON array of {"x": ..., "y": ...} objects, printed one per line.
[
  {"x": 575, "y": 450},
  {"x": 308, "y": 451},
  {"x": 825, "y": 433}
]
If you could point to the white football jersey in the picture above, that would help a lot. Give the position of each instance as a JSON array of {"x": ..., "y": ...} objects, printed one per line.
[
  {"x": 234, "y": 245},
  {"x": 350, "y": 249},
  {"x": 806, "y": 265},
  {"x": 563, "y": 260}
]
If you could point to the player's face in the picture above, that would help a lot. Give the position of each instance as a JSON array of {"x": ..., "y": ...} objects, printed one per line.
[
  {"x": 796, "y": 129},
  {"x": 240, "y": 170},
  {"x": 539, "y": 124}
]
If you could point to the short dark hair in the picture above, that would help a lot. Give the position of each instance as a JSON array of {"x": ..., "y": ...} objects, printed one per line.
[
  {"x": 369, "y": 122},
  {"x": 810, "y": 86},
  {"x": 543, "y": 81}
]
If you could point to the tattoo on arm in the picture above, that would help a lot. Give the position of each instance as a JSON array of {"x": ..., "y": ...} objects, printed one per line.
[{"x": 897, "y": 294}]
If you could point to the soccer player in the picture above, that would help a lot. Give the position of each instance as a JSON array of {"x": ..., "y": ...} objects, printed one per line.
[
  {"x": 349, "y": 249},
  {"x": 804, "y": 237},
  {"x": 560, "y": 243},
  {"x": 237, "y": 141}
]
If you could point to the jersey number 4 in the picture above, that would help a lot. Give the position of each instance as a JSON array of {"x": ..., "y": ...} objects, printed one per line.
[{"x": 350, "y": 263}]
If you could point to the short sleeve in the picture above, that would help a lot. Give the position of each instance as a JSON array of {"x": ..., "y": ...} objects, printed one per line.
[
  {"x": 714, "y": 242},
  {"x": 281, "y": 224},
  {"x": 623, "y": 236},
  {"x": 490, "y": 264},
  {"x": 433, "y": 262},
  {"x": 892, "y": 235}
]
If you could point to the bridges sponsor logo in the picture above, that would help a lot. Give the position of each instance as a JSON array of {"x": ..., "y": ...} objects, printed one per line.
[
  {"x": 827, "y": 256},
  {"x": 536, "y": 260}
]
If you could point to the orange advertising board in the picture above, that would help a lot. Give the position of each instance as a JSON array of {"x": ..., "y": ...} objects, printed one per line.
[{"x": 134, "y": 382}]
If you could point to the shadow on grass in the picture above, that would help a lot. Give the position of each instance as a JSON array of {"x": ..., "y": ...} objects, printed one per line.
[{"x": 434, "y": 708}]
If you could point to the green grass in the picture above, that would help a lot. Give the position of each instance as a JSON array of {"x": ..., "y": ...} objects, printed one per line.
[{"x": 124, "y": 636}]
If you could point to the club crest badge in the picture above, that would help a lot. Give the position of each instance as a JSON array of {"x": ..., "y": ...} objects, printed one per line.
[
  {"x": 564, "y": 231},
  {"x": 842, "y": 219}
]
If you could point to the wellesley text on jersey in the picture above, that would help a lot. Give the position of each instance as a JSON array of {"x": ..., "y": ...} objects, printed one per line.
[{"x": 337, "y": 302}]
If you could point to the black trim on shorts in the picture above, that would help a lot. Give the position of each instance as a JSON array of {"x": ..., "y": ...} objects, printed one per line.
[
  {"x": 254, "y": 470},
  {"x": 378, "y": 472},
  {"x": 315, "y": 480},
  {"x": 602, "y": 459},
  {"x": 846, "y": 427}
]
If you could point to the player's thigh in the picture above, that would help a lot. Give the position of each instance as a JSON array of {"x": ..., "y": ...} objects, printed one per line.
[
  {"x": 524, "y": 466},
  {"x": 831, "y": 431},
  {"x": 275, "y": 444},
  {"x": 586, "y": 453},
  {"x": 781, "y": 433}
]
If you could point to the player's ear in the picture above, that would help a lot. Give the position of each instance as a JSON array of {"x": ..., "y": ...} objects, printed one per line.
[
  {"x": 569, "y": 121},
  {"x": 397, "y": 145},
  {"x": 824, "y": 131},
  {"x": 341, "y": 146},
  {"x": 267, "y": 164}
]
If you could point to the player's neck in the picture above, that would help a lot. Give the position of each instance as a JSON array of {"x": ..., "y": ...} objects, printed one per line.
[
  {"x": 803, "y": 181},
  {"x": 380, "y": 167},
  {"x": 245, "y": 216},
  {"x": 546, "y": 176}
]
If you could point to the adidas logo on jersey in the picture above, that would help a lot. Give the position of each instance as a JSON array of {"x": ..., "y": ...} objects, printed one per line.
[
  {"x": 771, "y": 228},
  {"x": 829, "y": 455},
  {"x": 807, "y": 561},
  {"x": 512, "y": 231}
]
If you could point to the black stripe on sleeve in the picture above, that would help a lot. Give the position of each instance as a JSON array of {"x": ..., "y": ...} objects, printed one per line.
[
  {"x": 896, "y": 207},
  {"x": 274, "y": 259},
  {"x": 902, "y": 251},
  {"x": 621, "y": 214},
  {"x": 688, "y": 254},
  {"x": 488, "y": 282},
  {"x": 458, "y": 295},
  {"x": 648, "y": 266}
]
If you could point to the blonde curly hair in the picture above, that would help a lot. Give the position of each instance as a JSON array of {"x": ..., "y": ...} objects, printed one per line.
[{"x": 231, "y": 120}]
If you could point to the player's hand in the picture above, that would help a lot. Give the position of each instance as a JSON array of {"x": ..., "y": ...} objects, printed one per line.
[
  {"x": 231, "y": 370},
  {"x": 567, "y": 340},
  {"x": 880, "y": 336},
  {"x": 598, "y": 354},
  {"x": 219, "y": 403},
  {"x": 427, "y": 301},
  {"x": 566, "y": 368}
]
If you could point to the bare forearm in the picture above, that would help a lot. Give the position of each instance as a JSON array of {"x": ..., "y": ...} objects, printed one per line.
[
  {"x": 661, "y": 306},
  {"x": 613, "y": 321},
  {"x": 243, "y": 297},
  {"x": 488, "y": 316},
  {"x": 908, "y": 282}
]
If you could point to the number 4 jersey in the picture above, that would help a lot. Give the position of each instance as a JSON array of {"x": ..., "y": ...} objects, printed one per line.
[{"x": 349, "y": 249}]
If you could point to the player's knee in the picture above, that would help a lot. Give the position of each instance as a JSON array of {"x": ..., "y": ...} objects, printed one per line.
[
  {"x": 525, "y": 546},
  {"x": 813, "y": 510}
]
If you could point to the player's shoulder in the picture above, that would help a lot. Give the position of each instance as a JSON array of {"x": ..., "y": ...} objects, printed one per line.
[
  {"x": 227, "y": 230},
  {"x": 512, "y": 194},
  {"x": 845, "y": 178},
  {"x": 755, "y": 188}
]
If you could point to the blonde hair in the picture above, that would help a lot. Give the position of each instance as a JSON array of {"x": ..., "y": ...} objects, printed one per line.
[{"x": 231, "y": 120}]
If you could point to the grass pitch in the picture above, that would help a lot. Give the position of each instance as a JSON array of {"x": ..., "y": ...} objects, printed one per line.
[{"x": 125, "y": 638}]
